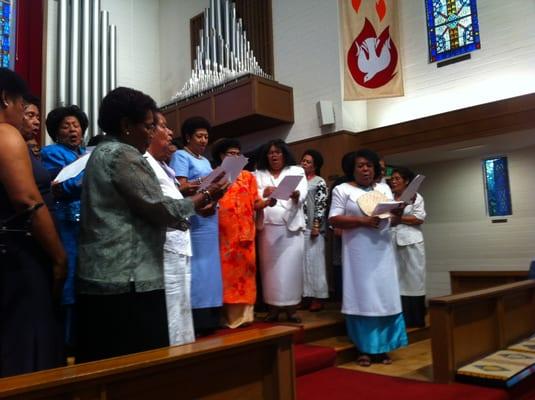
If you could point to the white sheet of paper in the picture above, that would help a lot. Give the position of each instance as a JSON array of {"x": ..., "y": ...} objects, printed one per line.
[
  {"x": 382, "y": 210},
  {"x": 208, "y": 179},
  {"x": 231, "y": 166},
  {"x": 73, "y": 169},
  {"x": 411, "y": 190},
  {"x": 286, "y": 187}
]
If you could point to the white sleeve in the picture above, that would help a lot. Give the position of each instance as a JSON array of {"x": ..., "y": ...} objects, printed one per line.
[
  {"x": 418, "y": 208},
  {"x": 338, "y": 202}
]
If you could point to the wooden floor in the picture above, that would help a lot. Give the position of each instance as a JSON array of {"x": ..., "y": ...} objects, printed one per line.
[{"x": 412, "y": 362}]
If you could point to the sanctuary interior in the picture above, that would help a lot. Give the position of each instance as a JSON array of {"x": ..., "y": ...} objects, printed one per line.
[{"x": 446, "y": 122}]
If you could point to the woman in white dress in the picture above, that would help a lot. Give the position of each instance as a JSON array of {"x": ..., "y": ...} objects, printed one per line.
[
  {"x": 371, "y": 301},
  {"x": 281, "y": 241},
  {"x": 409, "y": 243},
  {"x": 315, "y": 277},
  {"x": 177, "y": 246}
]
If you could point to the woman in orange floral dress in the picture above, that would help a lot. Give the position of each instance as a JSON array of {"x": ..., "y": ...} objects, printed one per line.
[{"x": 237, "y": 239}]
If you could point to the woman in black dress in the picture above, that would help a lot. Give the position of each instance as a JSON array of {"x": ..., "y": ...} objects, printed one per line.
[{"x": 31, "y": 266}]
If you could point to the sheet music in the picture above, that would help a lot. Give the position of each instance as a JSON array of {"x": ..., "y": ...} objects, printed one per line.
[
  {"x": 411, "y": 190},
  {"x": 286, "y": 187},
  {"x": 231, "y": 166},
  {"x": 382, "y": 210},
  {"x": 73, "y": 169}
]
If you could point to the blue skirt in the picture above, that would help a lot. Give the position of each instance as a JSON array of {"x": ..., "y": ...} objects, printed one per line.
[{"x": 376, "y": 335}]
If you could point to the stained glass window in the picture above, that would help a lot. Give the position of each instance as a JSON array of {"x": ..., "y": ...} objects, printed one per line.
[
  {"x": 496, "y": 176},
  {"x": 452, "y": 28},
  {"x": 6, "y": 33}
]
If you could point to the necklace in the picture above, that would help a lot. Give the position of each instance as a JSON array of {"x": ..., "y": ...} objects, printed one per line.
[{"x": 192, "y": 153}]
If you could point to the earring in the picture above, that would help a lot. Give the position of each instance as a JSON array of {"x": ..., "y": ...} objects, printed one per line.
[{"x": 128, "y": 132}]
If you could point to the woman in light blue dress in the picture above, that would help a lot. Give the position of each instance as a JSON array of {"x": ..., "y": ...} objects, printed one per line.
[{"x": 206, "y": 283}]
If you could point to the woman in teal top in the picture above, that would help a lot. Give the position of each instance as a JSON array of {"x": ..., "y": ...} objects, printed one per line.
[
  {"x": 121, "y": 299},
  {"x": 206, "y": 282}
]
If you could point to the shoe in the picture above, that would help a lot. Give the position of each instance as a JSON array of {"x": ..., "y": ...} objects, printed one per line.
[
  {"x": 364, "y": 360},
  {"x": 272, "y": 317},
  {"x": 294, "y": 319},
  {"x": 315, "y": 306}
]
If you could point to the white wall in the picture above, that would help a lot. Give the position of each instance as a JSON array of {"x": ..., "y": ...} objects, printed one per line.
[
  {"x": 503, "y": 68},
  {"x": 174, "y": 36},
  {"x": 138, "y": 43},
  {"x": 458, "y": 233}
]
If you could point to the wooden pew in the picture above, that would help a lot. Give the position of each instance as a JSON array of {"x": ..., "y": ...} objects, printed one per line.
[
  {"x": 467, "y": 281},
  {"x": 252, "y": 364},
  {"x": 468, "y": 326}
]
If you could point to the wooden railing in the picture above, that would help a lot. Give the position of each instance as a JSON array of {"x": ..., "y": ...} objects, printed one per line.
[
  {"x": 465, "y": 327},
  {"x": 253, "y": 364},
  {"x": 467, "y": 281}
]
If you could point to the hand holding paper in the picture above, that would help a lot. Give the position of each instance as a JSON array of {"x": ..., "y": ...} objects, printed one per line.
[
  {"x": 231, "y": 166},
  {"x": 286, "y": 188}
]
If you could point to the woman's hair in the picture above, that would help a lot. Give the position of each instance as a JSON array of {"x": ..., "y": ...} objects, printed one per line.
[
  {"x": 190, "y": 125},
  {"x": 121, "y": 103},
  {"x": 98, "y": 139},
  {"x": 220, "y": 146},
  {"x": 368, "y": 155},
  {"x": 56, "y": 116},
  {"x": 405, "y": 173},
  {"x": 11, "y": 84},
  {"x": 316, "y": 157},
  {"x": 33, "y": 100},
  {"x": 262, "y": 162}
]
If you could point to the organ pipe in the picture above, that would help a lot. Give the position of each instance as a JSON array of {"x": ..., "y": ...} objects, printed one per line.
[{"x": 223, "y": 55}]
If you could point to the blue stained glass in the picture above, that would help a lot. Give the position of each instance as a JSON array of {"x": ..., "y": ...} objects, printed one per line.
[
  {"x": 452, "y": 28},
  {"x": 496, "y": 175},
  {"x": 6, "y": 31}
]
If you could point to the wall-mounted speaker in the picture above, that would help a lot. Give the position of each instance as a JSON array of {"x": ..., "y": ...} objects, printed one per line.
[{"x": 325, "y": 112}]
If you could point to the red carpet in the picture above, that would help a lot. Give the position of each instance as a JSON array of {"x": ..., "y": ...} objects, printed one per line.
[
  {"x": 309, "y": 358},
  {"x": 343, "y": 384}
]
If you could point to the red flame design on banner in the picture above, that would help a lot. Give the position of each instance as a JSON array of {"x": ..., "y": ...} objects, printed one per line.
[
  {"x": 356, "y": 5},
  {"x": 372, "y": 59},
  {"x": 380, "y": 7}
]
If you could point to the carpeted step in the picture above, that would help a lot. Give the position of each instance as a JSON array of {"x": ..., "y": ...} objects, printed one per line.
[
  {"x": 310, "y": 358},
  {"x": 343, "y": 384}
]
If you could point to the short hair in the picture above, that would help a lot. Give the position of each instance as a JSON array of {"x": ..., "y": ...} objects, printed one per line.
[
  {"x": 405, "y": 173},
  {"x": 221, "y": 146},
  {"x": 190, "y": 125},
  {"x": 369, "y": 155},
  {"x": 121, "y": 103},
  {"x": 262, "y": 162},
  {"x": 98, "y": 139},
  {"x": 12, "y": 84},
  {"x": 316, "y": 157},
  {"x": 31, "y": 99},
  {"x": 56, "y": 116}
]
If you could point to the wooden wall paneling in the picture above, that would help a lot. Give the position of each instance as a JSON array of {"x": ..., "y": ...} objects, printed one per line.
[
  {"x": 467, "y": 281},
  {"x": 172, "y": 117},
  {"x": 233, "y": 104},
  {"x": 271, "y": 100},
  {"x": 199, "y": 108}
]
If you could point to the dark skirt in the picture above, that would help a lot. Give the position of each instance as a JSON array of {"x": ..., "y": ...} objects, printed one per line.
[
  {"x": 206, "y": 320},
  {"x": 31, "y": 336},
  {"x": 414, "y": 311},
  {"x": 120, "y": 324}
]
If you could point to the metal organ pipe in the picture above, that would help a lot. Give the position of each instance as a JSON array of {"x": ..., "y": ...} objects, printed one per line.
[
  {"x": 113, "y": 58},
  {"x": 104, "y": 53},
  {"x": 62, "y": 53},
  {"x": 223, "y": 54},
  {"x": 85, "y": 70}
]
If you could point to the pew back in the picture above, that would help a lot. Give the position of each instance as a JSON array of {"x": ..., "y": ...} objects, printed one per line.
[
  {"x": 253, "y": 364},
  {"x": 468, "y": 326}
]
